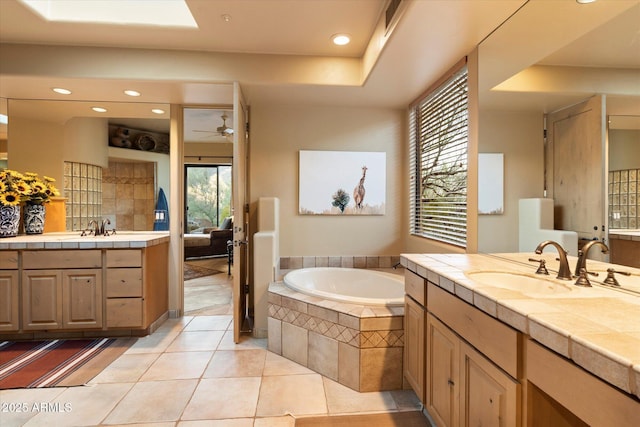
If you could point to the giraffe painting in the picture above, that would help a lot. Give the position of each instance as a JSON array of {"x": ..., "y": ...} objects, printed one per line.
[{"x": 359, "y": 191}]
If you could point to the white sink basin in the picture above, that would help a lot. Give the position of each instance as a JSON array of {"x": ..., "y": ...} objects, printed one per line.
[{"x": 536, "y": 286}]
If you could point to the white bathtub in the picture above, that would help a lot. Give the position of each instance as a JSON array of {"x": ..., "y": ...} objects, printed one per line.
[{"x": 352, "y": 285}]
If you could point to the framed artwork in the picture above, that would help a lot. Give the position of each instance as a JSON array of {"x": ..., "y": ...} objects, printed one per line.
[
  {"x": 490, "y": 183},
  {"x": 342, "y": 183}
]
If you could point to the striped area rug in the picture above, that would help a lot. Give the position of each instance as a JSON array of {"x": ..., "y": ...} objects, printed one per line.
[{"x": 37, "y": 364}]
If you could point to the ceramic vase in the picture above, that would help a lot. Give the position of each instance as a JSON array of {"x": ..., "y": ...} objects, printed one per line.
[
  {"x": 34, "y": 219},
  {"x": 9, "y": 221}
]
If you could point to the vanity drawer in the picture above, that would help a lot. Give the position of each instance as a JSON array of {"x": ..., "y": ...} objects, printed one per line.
[
  {"x": 124, "y": 258},
  {"x": 54, "y": 259},
  {"x": 9, "y": 260},
  {"x": 414, "y": 286},
  {"x": 124, "y": 282},
  {"x": 497, "y": 341},
  {"x": 124, "y": 312}
]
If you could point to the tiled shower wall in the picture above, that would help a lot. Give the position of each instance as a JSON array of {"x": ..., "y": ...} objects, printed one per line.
[
  {"x": 624, "y": 199},
  {"x": 128, "y": 195}
]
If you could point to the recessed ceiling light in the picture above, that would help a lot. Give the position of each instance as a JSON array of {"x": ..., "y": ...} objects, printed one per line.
[
  {"x": 61, "y": 91},
  {"x": 585, "y": 1},
  {"x": 225, "y": 17},
  {"x": 132, "y": 92},
  {"x": 341, "y": 39},
  {"x": 99, "y": 109},
  {"x": 157, "y": 111}
]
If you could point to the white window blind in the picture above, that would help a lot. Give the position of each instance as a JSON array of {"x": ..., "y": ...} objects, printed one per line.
[{"x": 438, "y": 146}]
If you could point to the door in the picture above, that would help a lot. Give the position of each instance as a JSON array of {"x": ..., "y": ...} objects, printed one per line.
[
  {"x": 240, "y": 212},
  {"x": 41, "y": 299},
  {"x": 82, "y": 298},
  {"x": 576, "y": 170},
  {"x": 489, "y": 397},
  {"x": 414, "y": 321},
  {"x": 442, "y": 373},
  {"x": 9, "y": 317}
]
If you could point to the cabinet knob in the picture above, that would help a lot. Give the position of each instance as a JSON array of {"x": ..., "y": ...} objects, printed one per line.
[{"x": 450, "y": 382}]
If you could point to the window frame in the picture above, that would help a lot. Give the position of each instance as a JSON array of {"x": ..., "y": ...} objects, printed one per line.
[{"x": 447, "y": 219}]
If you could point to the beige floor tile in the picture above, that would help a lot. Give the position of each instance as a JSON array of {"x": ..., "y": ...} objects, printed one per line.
[
  {"x": 406, "y": 400},
  {"x": 20, "y": 403},
  {"x": 236, "y": 363},
  {"x": 154, "y": 343},
  {"x": 153, "y": 401},
  {"x": 220, "y": 398},
  {"x": 178, "y": 366},
  {"x": 128, "y": 368},
  {"x": 174, "y": 325},
  {"x": 278, "y": 365},
  {"x": 209, "y": 323},
  {"x": 287, "y": 421},
  {"x": 82, "y": 406},
  {"x": 343, "y": 400},
  {"x": 291, "y": 394},
  {"x": 246, "y": 342},
  {"x": 196, "y": 341},
  {"x": 169, "y": 424},
  {"x": 237, "y": 422}
]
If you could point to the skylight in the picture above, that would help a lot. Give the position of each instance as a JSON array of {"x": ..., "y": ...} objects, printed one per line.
[{"x": 168, "y": 13}]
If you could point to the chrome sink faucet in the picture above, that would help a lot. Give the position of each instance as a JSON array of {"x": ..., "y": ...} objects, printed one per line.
[
  {"x": 564, "y": 271},
  {"x": 584, "y": 252}
]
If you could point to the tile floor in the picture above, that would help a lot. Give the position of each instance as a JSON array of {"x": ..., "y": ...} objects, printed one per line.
[{"x": 190, "y": 373}]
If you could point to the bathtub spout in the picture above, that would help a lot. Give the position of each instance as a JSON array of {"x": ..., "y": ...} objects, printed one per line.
[{"x": 396, "y": 265}]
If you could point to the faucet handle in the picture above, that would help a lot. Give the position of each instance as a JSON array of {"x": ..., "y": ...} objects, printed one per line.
[
  {"x": 542, "y": 268},
  {"x": 611, "y": 278},
  {"x": 582, "y": 279}
]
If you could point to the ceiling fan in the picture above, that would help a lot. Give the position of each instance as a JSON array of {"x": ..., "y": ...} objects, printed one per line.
[{"x": 223, "y": 130}]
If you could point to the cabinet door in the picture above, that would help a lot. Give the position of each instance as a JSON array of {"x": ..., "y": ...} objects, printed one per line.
[
  {"x": 488, "y": 396},
  {"x": 414, "y": 349},
  {"x": 443, "y": 348},
  {"x": 9, "y": 317},
  {"x": 82, "y": 298},
  {"x": 41, "y": 299}
]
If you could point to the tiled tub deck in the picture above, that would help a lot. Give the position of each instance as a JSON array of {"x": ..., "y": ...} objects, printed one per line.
[{"x": 358, "y": 346}]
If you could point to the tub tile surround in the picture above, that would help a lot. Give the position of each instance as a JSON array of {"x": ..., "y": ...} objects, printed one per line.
[
  {"x": 357, "y": 346},
  {"x": 598, "y": 327},
  {"x": 296, "y": 262}
]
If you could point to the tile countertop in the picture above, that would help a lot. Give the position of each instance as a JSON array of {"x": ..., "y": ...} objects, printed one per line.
[
  {"x": 73, "y": 240},
  {"x": 624, "y": 234},
  {"x": 597, "y": 327}
]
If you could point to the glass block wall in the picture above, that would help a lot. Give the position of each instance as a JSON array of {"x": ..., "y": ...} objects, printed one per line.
[
  {"x": 624, "y": 199},
  {"x": 83, "y": 190}
]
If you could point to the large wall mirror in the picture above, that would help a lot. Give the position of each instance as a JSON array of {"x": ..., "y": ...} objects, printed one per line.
[
  {"x": 581, "y": 53},
  {"x": 109, "y": 159}
]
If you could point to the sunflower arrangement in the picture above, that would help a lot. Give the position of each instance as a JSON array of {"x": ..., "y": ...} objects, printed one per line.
[
  {"x": 16, "y": 188},
  {"x": 13, "y": 188}
]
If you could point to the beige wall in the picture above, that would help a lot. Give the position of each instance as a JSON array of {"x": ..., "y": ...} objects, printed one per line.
[
  {"x": 278, "y": 133},
  {"x": 519, "y": 135},
  {"x": 624, "y": 149}
]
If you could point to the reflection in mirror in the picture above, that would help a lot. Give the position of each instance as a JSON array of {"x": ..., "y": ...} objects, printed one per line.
[
  {"x": 70, "y": 141},
  {"x": 3, "y": 132},
  {"x": 208, "y": 158},
  {"x": 624, "y": 172}
]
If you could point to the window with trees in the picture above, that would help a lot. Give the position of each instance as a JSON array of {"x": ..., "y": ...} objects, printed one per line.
[
  {"x": 207, "y": 196},
  {"x": 438, "y": 144}
]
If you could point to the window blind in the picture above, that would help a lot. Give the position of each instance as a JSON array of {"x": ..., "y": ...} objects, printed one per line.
[{"x": 438, "y": 138}]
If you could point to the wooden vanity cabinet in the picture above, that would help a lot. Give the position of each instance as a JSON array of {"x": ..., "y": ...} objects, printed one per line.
[
  {"x": 9, "y": 285},
  {"x": 136, "y": 286},
  {"x": 443, "y": 353},
  {"x": 414, "y": 333},
  {"x": 464, "y": 385},
  {"x": 61, "y": 290}
]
